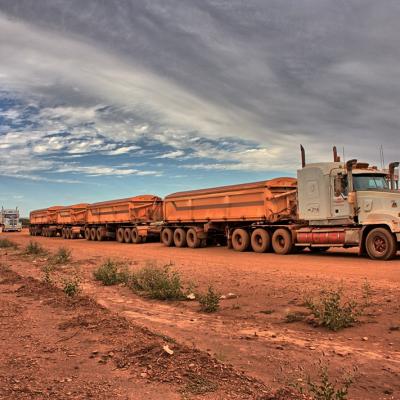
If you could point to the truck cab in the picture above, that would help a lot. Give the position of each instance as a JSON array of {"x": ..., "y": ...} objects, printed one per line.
[
  {"x": 350, "y": 204},
  {"x": 9, "y": 220}
]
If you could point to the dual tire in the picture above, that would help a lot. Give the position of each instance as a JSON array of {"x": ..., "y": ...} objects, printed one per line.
[
  {"x": 181, "y": 238},
  {"x": 261, "y": 241}
]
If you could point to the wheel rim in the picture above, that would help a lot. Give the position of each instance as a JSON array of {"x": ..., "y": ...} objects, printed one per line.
[{"x": 380, "y": 245}]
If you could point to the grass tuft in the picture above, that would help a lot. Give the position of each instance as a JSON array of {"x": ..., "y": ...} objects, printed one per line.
[
  {"x": 111, "y": 272},
  {"x": 34, "y": 249},
  {"x": 62, "y": 256},
  {"x": 209, "y": 302},
  {"x": 7, "y": 243}
]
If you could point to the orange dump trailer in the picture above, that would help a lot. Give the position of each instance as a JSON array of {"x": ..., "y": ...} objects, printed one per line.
[
  {"x": 71, "y": 220},
  {"x": 44, "y": 221},
  {"x": 133, "y": 219},
  {"x": 236, "y": 215}
]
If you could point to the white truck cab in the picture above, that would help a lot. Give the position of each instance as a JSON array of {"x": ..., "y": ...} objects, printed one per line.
[
  {"x": 9, "y": 220},
  {"x": 349, "y": 204}
]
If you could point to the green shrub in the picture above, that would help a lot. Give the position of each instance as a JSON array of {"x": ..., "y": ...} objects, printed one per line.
[
  {"x": 6, "y": 243},
  {"x": 111, "y": 273},
  {"x": 326, "y": 389},
  {"x": 156, "y": 282},
  {"x": 209, "y": 302},
  {"x": 71, "y": 286},
  {"x": 35, "y": 249},
  {"x": 62, "y": 256},
  {"x": 332, "y": 312}
]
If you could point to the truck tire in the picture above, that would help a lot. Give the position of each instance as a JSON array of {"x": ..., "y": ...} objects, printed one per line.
[
  {"x": 180, "y": 238},
  {"x": 260, "y": 240},
  {"x": 167, "y": 237},
  {"x": 240, "y": 240},
  {"x": 120, "y": 235},
  {"x": 63, "y": 233},
  {"x": 192, "y": 239},
  {"x": 93, "y": 234},
  {"x": 381, "y": 244},
  {"x": 87, "y": 233},
  {"x": 99, "y": 234},
  {"x": 136, "y": 238},
  {"x": 127, "y": 235},
  {"x": 69, "y": 233},
  {"x": 282, "y": 241}
]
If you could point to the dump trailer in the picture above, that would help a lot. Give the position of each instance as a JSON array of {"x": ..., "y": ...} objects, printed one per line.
[
  {"x": 71, "y": 221},
  {"x": 44, "y": 222},
  {"x": 9, "y": 220},
  {"x": 331, "y": 204},
  {"x": 130, "y": 220},
  {"x": 233, "y": 215}
]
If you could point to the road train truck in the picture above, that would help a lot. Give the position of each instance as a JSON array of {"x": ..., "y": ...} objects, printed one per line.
[
  {"x": 9, "y": 220},
  {"x": 330, "y": 204}
]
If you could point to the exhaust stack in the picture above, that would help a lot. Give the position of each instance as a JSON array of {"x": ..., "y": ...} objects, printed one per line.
[
  {"x": 393, "y": 184},
  {"x": 303, "y": 156},
  {"x": 336, "y": 158}
]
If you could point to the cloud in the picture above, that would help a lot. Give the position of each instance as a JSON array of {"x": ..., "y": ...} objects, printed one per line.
[{"x": 172, "y": 154}]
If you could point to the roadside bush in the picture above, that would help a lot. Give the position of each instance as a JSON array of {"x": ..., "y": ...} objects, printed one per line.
[
  {"x": 209, "y": 302},
  {"x": 332, "y": 312},
  {"x": 71, "y": 286},
  {"x": 324, "y": 388},
  {"x": 62, "y": 256},
  {"x": 34, "y": 249},
  {"x": 156, "y": 282},
  {"x": 111, "y": 273},
  {"x": 6, "y": 243}
]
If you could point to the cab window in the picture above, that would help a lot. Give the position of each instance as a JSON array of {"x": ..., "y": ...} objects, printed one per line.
[{"x": 370, "y": 182}]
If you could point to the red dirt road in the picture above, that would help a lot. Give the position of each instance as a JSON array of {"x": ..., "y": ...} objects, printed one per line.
[{"x": 250, "y": 331}]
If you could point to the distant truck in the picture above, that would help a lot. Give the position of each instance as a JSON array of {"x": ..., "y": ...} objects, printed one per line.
[{"x": 9, "y": 220}]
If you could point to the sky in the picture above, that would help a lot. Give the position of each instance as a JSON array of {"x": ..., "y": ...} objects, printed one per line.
[{"x": 106, "y": 99}]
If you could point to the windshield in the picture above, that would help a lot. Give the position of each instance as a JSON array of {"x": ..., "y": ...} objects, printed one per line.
[{"x": 370, "y": 182}]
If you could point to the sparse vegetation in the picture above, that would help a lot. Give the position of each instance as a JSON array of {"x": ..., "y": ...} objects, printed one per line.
[
  {"x": 332, "y": 312},
  {"x": 6, "y": 244},
  {"x": 209, "y": 302},
  {"x": 112, "y": 272},
  {"x": 34, "y": 249},
  {"x": 157, "y": 282},
  {"x": 324, "y": 388},
  {"x": 47, "y": 271},
  {"x": 71, "y": 286},
  {"x": 62, "y": 256}
]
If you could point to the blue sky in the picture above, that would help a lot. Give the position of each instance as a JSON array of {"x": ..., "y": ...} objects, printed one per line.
[{"x": 100, "y": 100}]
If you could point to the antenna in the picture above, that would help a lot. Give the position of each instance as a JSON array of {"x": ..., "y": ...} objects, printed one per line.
[{"x": 344, "y": 158}]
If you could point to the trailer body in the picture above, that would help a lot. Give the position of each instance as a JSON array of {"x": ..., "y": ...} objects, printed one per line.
[
  {"x": 71, "y": 221},
  {"x": 133, "y": 219},
  {"x": 215, "y": 213},
  {"x": 44, "y": 221}
]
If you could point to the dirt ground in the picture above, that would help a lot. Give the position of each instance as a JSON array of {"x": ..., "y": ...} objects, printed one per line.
[{"x": 248, "y": 332}]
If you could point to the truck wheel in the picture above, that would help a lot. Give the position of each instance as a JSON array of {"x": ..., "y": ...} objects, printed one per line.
[
  {"x": 135, "y": 236},
  {"x": 99, "y": 234},
  {"x": 260, "y": 240},
  {"x": 87, "y": 233},
  {"x": 240, "y": 240},
  {"x": 167, "y": 237},
  {"x": 192, "y": 239},
  {"x": 127, "y": 235},
  {"x": 63, "y": 233},
  {"x": 381, "y": 244},
  {"x": 69, "y": 233},
  {"x": 120, "y": 235},
  {"x": 93, "y": 234},
  {"x": 282, "y": 241},
  {"x": 180, "y": 238}
]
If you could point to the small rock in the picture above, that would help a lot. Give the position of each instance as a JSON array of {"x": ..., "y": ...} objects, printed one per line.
[
  {"x": 365, "y": 338},
  {"x": 191, "y": 296},
  {"x": 191, "y": 365},
  {"x": 279, "y": 347},
  {"x": 143, "y": 375},
  {"x": 312, "y": 347},
  {"x": 168, "y": 350},
  {"x": 231, "y": 296}
]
